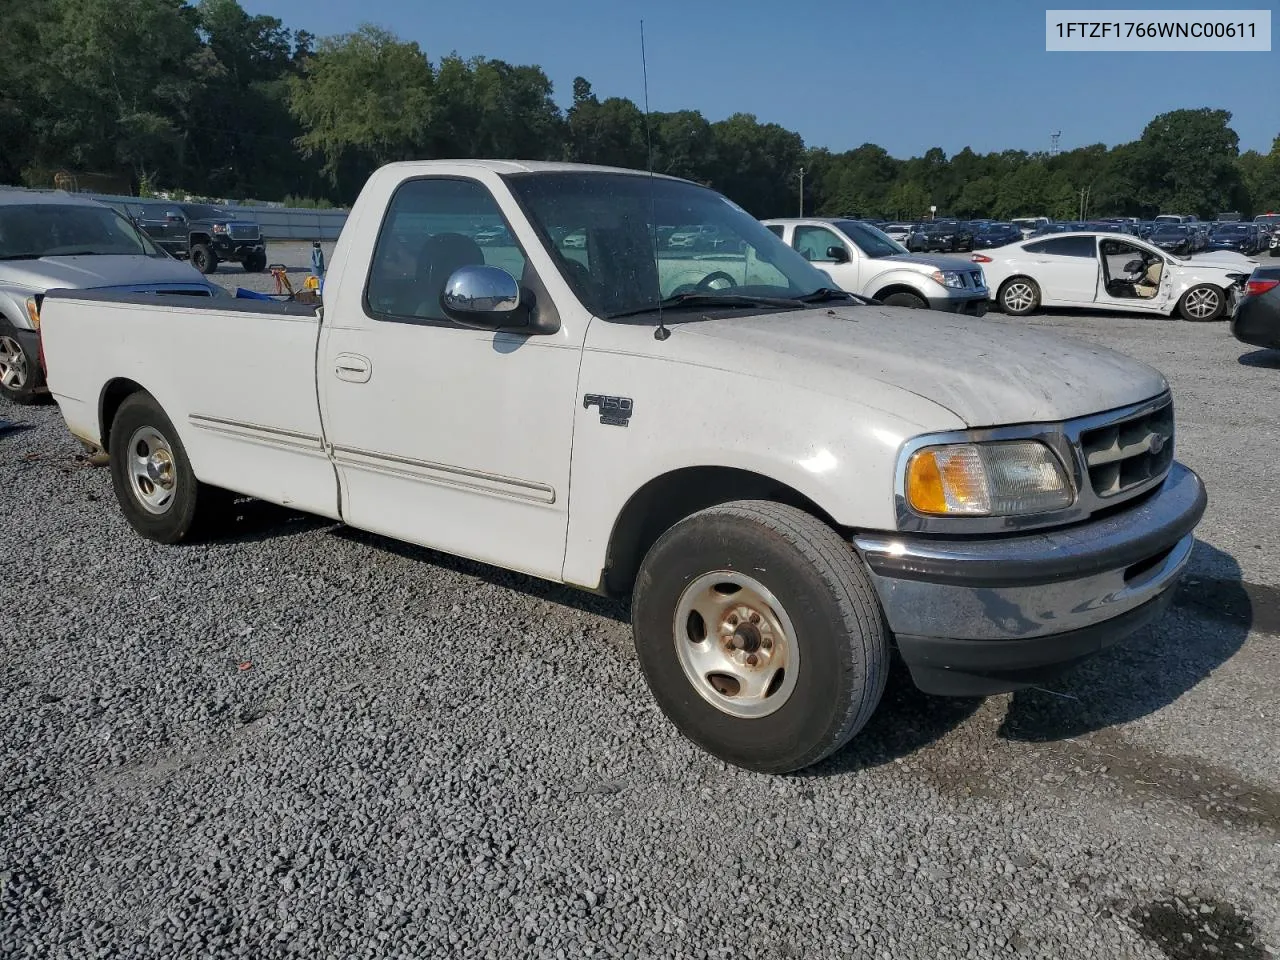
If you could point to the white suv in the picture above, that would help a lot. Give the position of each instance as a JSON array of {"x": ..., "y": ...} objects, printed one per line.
[{"x": 864, "y": 260}]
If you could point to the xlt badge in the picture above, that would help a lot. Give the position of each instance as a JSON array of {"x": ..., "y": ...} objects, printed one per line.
[{"x": 614, "y": 411}]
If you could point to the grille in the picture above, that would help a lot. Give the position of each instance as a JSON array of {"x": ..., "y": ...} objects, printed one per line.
[
  {"x": 244, "y": 231},
  {"x": 1126, "y": 454}
]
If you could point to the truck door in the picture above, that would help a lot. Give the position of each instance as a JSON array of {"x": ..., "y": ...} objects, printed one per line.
[
  {"x": 453, "y": 438},
  {"x": 816, "y": 245}
]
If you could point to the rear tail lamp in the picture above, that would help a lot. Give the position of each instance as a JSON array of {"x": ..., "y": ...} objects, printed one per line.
[{"x": 1256, "y": 288}]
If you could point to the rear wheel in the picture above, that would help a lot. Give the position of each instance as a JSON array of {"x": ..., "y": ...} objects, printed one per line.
[
  {"x": 1201, "y": 303},
  {"x": 905, "y": 300},
  {"x": 255, "y": 263},
  {"x": 760, "y": 635},
  {"x": 20, "y": 373},
  {"x": 1019, "y": 296},
  {"x": 152, "y": 477}
]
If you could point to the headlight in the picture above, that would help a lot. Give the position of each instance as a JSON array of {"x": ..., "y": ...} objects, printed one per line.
[
  {"x": 949, "y": 278},
  {"x": 219, "y": 228},
  {"x": 1000, "y": 478},
  {"x": 33, "y": 311}
]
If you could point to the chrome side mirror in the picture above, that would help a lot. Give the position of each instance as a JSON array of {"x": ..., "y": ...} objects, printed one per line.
[{"x": 485, "y": 297}]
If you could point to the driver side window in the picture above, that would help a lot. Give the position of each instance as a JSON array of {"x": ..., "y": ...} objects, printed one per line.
[
  {"x": 812, "y": 243},
  {"x": 434, "y": 226}
]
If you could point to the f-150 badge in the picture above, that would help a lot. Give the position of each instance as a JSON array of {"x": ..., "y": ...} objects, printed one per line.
[{"x": 614, "y": 411}]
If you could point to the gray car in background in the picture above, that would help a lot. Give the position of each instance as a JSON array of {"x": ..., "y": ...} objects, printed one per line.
[{"x": 60, "y": 241}]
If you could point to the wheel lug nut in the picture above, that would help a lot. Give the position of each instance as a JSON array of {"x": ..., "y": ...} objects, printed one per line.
[
  {"x": 752, "y": 659},
  {"x": 733, "y": 619},
  {"x": 755, "y": 618},
  {"x": 767, "y": 643}
]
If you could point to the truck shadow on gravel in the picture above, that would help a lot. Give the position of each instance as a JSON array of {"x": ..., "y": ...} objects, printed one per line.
[
  {"x": 1212, "y": 614},
  {"x": 618, "y": 610},
  {"x": 1266, "y": 359}
]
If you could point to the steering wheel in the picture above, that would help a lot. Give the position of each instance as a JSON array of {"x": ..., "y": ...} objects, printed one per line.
[{"x": 705, "y": 284}]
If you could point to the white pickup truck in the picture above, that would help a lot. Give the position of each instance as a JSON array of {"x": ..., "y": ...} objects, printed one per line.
[{"x": 785, "y": 478}]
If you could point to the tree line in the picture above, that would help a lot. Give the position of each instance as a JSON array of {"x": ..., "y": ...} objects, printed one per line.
[{"x": 211, "y": 99}]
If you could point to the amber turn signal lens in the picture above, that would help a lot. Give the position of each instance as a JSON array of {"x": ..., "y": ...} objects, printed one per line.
[{"x": 1003, "y": 478}]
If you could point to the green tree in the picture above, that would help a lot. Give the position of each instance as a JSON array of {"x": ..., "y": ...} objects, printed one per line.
[
  {"x": 1187, "y": 159},
  {"x": 114, "y": 78},
  {"x": 758, "y": 163},
  {"x": 908, "y": 200},
  {"x": 363, "y": 99},
  {"x": 610, "y": 132}
]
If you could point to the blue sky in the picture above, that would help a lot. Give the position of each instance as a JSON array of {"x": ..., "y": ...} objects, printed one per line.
[{"x": 906, "y": 74}]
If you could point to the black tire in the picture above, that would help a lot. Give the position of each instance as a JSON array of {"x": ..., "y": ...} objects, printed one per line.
[
  {"x": 1017, "y": 289},
  {"x": 203, "y": 258},
  {"x": 903, "y": 299},
  {"x": 255, "y": 263},
  {"x": 21, "y": 378},
  {"x": 840, "y": 636},
  {"x": 191, "y": 507},
  {"x": 1202, "y": 303}
]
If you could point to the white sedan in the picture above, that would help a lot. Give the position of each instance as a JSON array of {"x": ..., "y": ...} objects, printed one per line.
[{"x": 1106, "y": 271}]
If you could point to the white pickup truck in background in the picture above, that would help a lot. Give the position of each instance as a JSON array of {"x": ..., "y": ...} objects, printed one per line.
[{"x": 785, "y": 479}]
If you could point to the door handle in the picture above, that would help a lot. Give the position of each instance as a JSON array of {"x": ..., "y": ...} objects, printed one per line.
[{"x": 352, "y": 367}]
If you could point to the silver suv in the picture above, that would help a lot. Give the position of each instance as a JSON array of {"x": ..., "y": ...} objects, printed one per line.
[{"x": 866, "y": 261}]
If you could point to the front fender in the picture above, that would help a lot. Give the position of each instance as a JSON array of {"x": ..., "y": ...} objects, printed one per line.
[
  {"x": 837, "y": 453},
  {"x": 900, "y": 276}
]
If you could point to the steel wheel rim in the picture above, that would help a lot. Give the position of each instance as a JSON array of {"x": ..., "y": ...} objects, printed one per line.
[
  {"x": 13, "y": 364},
  {"x": 152, "y": 470},
  {"x": 1202, "y": 303},
  {"x": 736, "y": 644},
  {"x": 1018, "y": 296}
]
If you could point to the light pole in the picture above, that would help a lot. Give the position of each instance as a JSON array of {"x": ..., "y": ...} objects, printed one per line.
[{"x": 802, "y": 192}]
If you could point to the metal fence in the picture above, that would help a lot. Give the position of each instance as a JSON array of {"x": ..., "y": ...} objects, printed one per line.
[{"x": 277, "y": 223}]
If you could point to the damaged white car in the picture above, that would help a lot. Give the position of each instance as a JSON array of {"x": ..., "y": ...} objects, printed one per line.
[{"x": 1104, "y": 271}]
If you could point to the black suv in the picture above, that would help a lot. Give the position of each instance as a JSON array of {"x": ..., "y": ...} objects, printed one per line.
[
  {"x": 202, "y": 233},
  {"x": 947, "y": 236}
]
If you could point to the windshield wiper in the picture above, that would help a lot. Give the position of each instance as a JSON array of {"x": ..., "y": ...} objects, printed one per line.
[
  {"x": 710, "y": 300},
  {"x": 825, "y": 294}
]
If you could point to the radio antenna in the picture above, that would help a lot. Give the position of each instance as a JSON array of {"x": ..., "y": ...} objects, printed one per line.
[{"x": 661, "y": 333}]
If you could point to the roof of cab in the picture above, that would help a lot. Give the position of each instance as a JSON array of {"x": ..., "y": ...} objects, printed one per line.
[
  {"x": 520, "y": 166},
  {"x": 10, "y": 197}
]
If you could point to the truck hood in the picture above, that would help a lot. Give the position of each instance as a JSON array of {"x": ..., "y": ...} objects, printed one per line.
[
  {"x": 80, "y": 273},
  {"x": 986, "y": 372}
]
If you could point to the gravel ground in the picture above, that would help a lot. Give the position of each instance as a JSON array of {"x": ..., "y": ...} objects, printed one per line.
[{"x": 301, "y": 740}]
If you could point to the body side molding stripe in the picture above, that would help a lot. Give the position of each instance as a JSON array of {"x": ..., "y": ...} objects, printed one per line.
[{"x": 425, "y": 470}]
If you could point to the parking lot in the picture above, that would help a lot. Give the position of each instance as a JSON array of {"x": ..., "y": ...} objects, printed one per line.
[{"x": 302, "y": 740}]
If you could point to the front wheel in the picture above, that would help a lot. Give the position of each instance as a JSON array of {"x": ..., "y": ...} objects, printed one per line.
[
  {"x": 760, "y": 635},
  {"x": 152, "y": 477},
  {"x": 1019, "y": 296},
  {"x": 20, "y": 375},
  {"x": 203, "y": 258},
  {"x": 255, "y": 263},
  {"x": 905, "y": 300},
  {"x": 1201, "y": 303}
]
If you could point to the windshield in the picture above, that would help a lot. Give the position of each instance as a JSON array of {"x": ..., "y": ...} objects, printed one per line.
[
  {"x": 718, "y": 249},
  {"x": 30, "y": 231},
  {"x": 1169, "y": 230},
  {"x": 202, "y": 211},
  {"x": 1229, "y": 229},
  {"x": 873, "y": 242}
]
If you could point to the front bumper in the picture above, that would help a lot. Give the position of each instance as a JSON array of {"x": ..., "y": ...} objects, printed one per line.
[
  {"x": 983, "y": 616},
  {"x": 228, "y": 248},
  {"x": 973, "y": 304}
]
